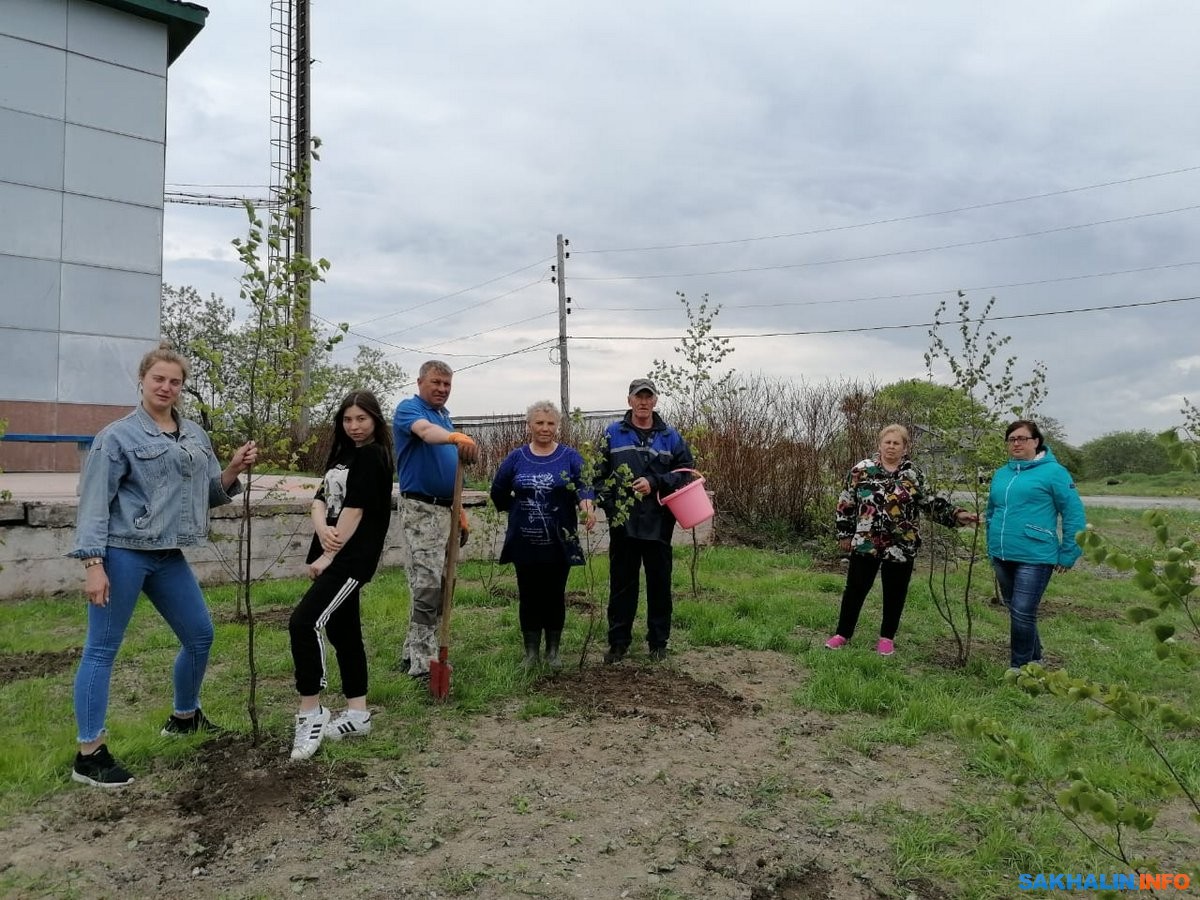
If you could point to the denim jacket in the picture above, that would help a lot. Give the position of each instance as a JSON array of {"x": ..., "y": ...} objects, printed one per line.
[{"x": 144, "y": 490}]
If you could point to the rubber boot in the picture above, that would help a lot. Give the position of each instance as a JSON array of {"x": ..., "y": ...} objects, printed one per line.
[
  {"x": 553, "y": 638},
  {"x": 533, "y": 640}
]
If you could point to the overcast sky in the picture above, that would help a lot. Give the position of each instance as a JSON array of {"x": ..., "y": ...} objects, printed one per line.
[{"x": 460, "y": 138}]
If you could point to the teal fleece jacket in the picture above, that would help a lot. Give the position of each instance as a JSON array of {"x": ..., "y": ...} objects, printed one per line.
[{"x": 1026, "y": 502}]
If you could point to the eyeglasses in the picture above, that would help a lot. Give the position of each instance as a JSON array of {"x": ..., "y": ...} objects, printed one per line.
[{"x": 1018, "y": 439}]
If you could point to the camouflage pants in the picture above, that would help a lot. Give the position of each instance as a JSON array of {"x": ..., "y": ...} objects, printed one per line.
[{"x": 425, "y": 529}]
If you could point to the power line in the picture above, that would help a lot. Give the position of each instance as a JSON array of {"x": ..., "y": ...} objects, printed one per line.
[
  {"x": 366, "y": 337},
  {"x": 465, "y": 290},
  {"x": 459, "y": 312},
  {"x": 215, "y": 200},
  {"x": 384, "y": 343},
  {"x": 915, "y": 294},
  {"x": 865, "y": 328},
  {"x": 892, "y": 221},
  {"x": 467, "y": 337},
  {"x": 204, "y": 185},
  {"x": 538, "y": 346},
  {"x": 890, "y": 253},
  {"x": 432, "y": 347}
]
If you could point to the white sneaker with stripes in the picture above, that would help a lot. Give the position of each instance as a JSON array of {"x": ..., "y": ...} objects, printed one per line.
[
  {"x": 348, "y": 723},
  {"x": 309, "y": 730}
]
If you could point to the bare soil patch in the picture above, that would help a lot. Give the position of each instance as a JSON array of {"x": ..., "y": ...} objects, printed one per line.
[
  {"x": 1059, "y": 607},
  {"x": 238, "y": 785},
  {"x": 995, "y": 651},
  {"x": 19, "y": 666},
  {"x": 267, "y": 617},
  {"x": 697, "y": 777},
  {"x": 945, "y": 653},
  {"x": 655, "y": 694}
]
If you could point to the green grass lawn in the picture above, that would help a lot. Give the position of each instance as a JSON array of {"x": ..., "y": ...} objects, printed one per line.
[
  {"x": 749, "y": 600},
  {"x": 1134, "y": 484}
]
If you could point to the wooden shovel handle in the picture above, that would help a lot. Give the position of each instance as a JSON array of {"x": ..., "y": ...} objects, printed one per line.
[{"x": 451, "y": 568}]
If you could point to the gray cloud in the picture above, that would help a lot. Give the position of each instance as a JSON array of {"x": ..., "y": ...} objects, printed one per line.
[{"x": 460, "y": 139}]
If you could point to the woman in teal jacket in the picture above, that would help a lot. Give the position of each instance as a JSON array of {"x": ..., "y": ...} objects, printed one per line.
[{"x": 1030, "y": 496}]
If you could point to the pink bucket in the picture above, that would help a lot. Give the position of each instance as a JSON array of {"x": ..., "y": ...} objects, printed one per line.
[{"x": 690, "y": 504}]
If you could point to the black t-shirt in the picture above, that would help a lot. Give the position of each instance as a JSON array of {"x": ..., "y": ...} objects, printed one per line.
[{"x": 361, "y": 479}]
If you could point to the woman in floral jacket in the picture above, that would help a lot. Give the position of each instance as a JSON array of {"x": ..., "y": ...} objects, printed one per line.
[{"x": 877, "y": 516}]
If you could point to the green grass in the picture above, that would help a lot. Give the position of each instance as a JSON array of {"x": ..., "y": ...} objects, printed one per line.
[
  {"x": 749, "y": 600},
  {"x": 1135, "y": 484}
]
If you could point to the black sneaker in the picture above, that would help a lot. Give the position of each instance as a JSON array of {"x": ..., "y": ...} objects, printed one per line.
[
  {"x": 615, "y": 655},
  {"x": 658, "y": 654},
  {"x": 198, "y": 723},
  {"x": 100, "y": 770}
]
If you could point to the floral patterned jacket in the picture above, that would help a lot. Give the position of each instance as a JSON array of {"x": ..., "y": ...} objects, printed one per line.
[{"x": 878, "y": 510}]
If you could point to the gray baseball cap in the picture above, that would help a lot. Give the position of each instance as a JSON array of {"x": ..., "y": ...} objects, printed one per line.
[{"x": 642, "y": 384}]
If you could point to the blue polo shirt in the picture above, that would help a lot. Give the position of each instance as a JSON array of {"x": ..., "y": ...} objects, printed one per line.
[{"x": 423, "y": 468}]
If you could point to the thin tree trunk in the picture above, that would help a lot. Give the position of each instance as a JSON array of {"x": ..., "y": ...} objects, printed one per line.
[
  {"x": 252, "y": 702},
  {"x": 695, "y": 564}
]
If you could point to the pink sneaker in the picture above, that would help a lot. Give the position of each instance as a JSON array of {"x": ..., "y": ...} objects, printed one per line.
[
  {"x": 885, "y": 647},
  {"x": 837, "y": 642}
]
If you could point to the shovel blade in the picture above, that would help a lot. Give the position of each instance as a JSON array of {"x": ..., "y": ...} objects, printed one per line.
[{"x": 439, "y": 677}]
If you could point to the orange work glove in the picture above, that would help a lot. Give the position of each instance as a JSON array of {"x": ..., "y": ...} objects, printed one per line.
[{"x": 468, "y": 450}]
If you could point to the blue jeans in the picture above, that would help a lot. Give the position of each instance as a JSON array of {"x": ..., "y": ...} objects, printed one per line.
[
  {"x": 167, "y": 580},
  {"x": 1022, "y": 586}
]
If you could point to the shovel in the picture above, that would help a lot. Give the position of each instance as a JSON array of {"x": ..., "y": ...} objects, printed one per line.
[{"x": 440, "y": 668}]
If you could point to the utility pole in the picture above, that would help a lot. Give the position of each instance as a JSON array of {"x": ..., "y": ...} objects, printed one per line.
[
  {"x": 564, "y": 369},
  {"x": 302, "y": 142},
  {"x": 291, "y": 158}
]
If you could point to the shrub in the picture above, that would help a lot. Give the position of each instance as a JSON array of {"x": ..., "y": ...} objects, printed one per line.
[{"x": 1120, "y": 452}]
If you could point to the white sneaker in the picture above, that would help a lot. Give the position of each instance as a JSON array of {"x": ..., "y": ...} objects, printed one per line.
[
  {"x": 309, "y": 729},
  {"x": 348, "y": 723}
]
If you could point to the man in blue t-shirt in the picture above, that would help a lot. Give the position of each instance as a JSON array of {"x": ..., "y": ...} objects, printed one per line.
[{"x": 428, "y": 451}]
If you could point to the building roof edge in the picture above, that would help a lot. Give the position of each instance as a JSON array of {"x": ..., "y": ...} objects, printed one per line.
[{"x": 183, "y": 20}]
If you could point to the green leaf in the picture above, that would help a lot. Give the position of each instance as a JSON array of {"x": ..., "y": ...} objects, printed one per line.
[
  {"x": 1120, "y": 562},
  {"x": 1147, "y": 581},
  {"x": 1164, "y": 631},
  {"x": 1177, "y": 571}
]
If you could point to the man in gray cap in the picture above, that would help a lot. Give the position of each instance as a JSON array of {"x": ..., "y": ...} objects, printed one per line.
[{"x": 651, "y": 449}]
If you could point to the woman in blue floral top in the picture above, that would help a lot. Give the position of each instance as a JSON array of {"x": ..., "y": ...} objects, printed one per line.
[
  {"x": 540, "y": 485},
  {"x": 877, "y": 515}
]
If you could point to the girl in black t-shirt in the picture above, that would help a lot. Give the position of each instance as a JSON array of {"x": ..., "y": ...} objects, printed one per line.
[{"x": 350, "y": 514}]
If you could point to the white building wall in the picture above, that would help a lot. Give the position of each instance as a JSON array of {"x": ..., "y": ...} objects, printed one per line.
[{"x": 83, "y": 94}]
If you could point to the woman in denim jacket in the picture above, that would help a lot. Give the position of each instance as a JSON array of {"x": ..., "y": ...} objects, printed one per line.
[{"x": 145, "y": 492}]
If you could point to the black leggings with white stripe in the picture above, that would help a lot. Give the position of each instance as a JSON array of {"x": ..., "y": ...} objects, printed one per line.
[{"x": 330, "y": 604}]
